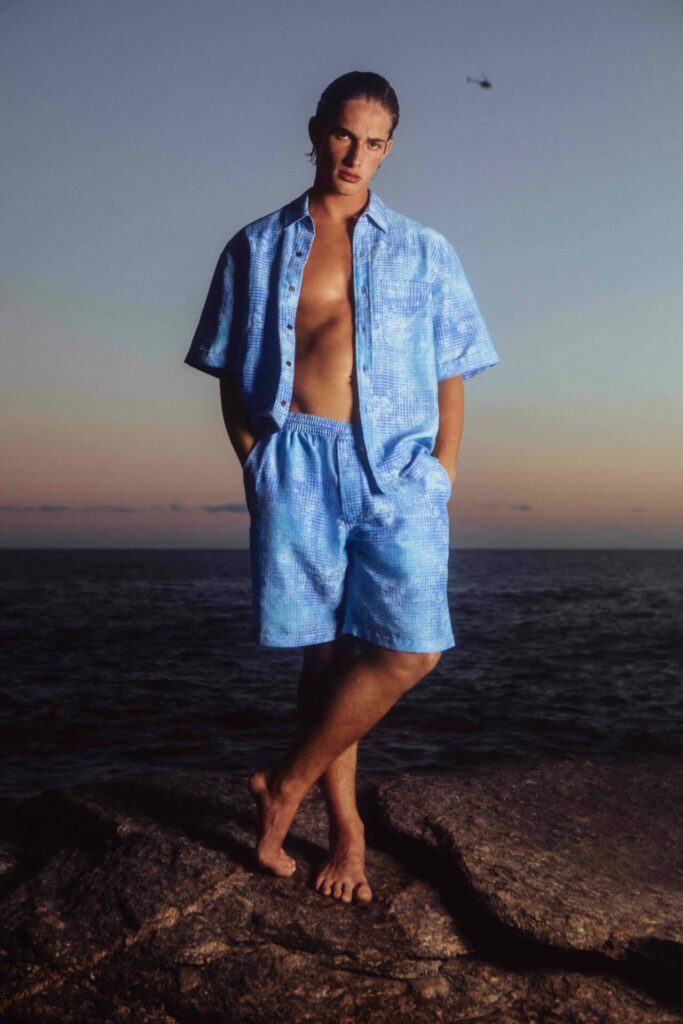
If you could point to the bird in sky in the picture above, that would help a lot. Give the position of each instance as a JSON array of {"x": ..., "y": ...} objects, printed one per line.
[{"x": 483, "y": 81}]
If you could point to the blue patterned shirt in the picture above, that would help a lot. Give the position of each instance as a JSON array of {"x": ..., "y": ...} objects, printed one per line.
[{"x": 416, "y": 323}]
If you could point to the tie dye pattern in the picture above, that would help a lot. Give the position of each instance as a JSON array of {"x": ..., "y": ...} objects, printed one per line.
[
  {"x": 331, "y": 554},
  {"x": 416, "y": 320}
]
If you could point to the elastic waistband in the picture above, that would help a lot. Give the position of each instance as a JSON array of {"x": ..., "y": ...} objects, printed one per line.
[{"x": 308, "y": 423}]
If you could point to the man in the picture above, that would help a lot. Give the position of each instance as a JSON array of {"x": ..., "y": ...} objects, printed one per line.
[{"x": 341, "y": 332}]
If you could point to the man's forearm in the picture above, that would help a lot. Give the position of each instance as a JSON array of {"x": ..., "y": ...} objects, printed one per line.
[
  {"x": 236, "y": 418},
  {"x": 451, "y": 418}
]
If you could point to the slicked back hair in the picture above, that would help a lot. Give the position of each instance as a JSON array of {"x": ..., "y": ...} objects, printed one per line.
[{"x": 355, "y": 85}]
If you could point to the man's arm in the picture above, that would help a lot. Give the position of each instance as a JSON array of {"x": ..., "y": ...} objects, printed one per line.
[
  {"x": 236, "y": 418},
  {"x": 451, "y": 416}
]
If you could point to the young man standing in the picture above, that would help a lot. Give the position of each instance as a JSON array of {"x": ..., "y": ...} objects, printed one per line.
[{"x": 342, "y": 332}]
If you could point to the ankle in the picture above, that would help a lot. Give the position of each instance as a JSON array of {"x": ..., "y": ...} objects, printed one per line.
[
  {"x": 347, "y": 827},
  {"x": 282, "y": 787}
]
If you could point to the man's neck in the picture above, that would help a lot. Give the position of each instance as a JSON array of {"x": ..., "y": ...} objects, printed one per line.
[{"x": 334, "y": 208}]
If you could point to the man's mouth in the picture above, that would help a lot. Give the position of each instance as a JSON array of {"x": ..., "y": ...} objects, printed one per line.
[{"x": 347, "y": 176}]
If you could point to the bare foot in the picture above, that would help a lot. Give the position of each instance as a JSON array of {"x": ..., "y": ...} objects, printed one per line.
[
  {"x": 343, "y": 873},
  {"x": 275, "y": 816}
]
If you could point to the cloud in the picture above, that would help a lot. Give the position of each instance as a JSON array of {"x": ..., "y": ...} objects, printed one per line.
[
  {"x": 521, "y": 507},
  {"x": 22, "y": 509},
  {"x": 231, "y": 507},
  {"x": 171, "y": 506},
  {"x": 35, "y": 508},
  {"x": 107, "y": 508}
]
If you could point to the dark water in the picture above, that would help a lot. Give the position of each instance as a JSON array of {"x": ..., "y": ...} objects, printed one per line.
[{"x": 114, "y": 662}]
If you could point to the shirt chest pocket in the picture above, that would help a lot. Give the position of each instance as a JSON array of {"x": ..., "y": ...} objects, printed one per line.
[{"x": 404, "y": 306}]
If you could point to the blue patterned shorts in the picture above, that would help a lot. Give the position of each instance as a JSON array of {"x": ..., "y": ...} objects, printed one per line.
[{"x": 331, "y": 554}]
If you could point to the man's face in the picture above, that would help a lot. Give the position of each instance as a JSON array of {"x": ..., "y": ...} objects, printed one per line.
[{"x": 353, "y": 146}]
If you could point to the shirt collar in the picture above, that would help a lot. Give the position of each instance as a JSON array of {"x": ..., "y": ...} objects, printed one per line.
[{"x": 298, "y": 209}]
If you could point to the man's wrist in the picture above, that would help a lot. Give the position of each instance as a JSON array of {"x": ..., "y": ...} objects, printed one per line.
[
  {"x": 449, "y": 463},
  {"x": 244, "y": 455}
]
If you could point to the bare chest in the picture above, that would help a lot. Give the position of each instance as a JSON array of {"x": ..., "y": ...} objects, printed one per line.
[{"x": 326, "y": 297}]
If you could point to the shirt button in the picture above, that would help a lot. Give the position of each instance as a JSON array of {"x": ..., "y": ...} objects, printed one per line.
[
  {"x": 289, "y": 327},
  {"x": 299, "y": 253},
  {"x": 291, "y": 287},
  {"x": 282, "y": 402},
  {"x": 365, "y": 369},
  {"x": 289, "y": 362}
]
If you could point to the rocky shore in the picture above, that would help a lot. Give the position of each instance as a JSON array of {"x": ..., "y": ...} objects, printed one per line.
[{"x": 549, "y": 892}]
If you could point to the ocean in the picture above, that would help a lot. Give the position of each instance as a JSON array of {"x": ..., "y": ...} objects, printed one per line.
[{"x": 121, "y": 661}]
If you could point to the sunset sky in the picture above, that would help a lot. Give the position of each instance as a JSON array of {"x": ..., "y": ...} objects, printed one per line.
[{"x": 139, "y": 136}]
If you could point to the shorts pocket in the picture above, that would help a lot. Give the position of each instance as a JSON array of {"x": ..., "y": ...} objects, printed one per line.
[
  {"x": 254, "y": 453},
  {"x": 444, "y": 473}
]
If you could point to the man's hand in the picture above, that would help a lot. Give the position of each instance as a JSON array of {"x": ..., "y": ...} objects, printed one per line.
[
  {"x": 451, "y": 416},
  {"x": 236, "y": 418}
]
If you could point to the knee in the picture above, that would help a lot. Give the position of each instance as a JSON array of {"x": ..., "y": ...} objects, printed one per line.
[{"x": 409, "y": 667}]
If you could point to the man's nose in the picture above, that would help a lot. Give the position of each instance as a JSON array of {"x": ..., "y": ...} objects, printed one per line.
[{"x": 353, "y": 155}]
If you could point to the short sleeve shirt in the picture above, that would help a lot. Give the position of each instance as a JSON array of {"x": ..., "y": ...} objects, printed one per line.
[{"x": 416, "y": 323}]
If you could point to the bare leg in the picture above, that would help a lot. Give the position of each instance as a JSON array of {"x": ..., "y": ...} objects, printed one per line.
[
  {"x": 365, "y": 692},
  {"x": 342, "y": 875}
]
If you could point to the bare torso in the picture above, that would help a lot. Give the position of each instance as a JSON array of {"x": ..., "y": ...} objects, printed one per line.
[{"x": 324, "y": 370}]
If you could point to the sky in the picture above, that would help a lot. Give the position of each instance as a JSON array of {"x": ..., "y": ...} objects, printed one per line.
[{"x": 140, "y": 135}]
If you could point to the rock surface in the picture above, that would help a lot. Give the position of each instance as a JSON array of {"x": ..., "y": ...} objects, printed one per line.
[
  {"x": 574, "y": 856},
  {"x": 548, "y": 893}
]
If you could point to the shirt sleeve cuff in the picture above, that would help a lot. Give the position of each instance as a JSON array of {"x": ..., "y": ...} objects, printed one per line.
[
  {"x": 199, "y": 364},
  {"x": 463, "y": 367}
]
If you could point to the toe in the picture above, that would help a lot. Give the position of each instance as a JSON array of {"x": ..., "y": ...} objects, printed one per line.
[
  {"x": 347, "y": 892},
  {"x": 363, "y": 892},
  {"x": 281, "y": 864}
]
